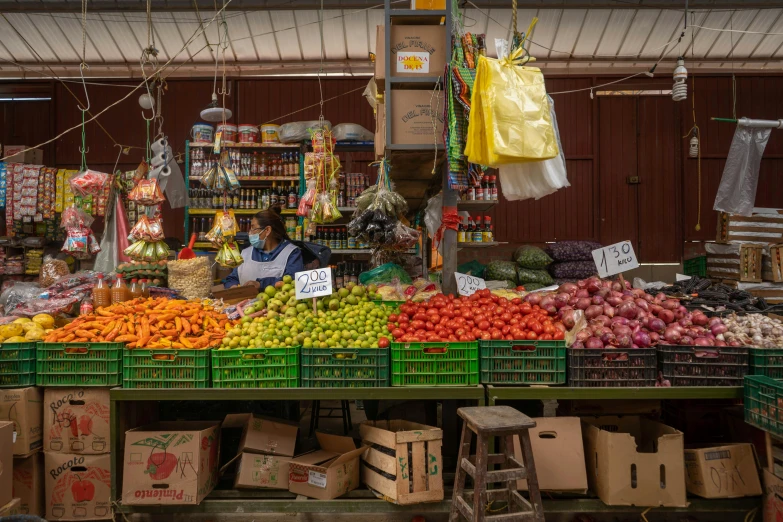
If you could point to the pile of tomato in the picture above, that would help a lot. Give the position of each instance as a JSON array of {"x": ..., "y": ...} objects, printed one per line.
[{"x": 481, "y": 316}]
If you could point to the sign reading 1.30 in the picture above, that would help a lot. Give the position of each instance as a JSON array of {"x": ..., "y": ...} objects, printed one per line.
[
  {"x": 614, "y": 259},
  {"x": 313, "y": 283}
]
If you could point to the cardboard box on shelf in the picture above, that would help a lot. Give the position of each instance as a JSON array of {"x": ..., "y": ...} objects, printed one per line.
[
  {"x": 78, "y": 487},
  {"x": 76, "y": 421},
  {"x": 11, "y": 508},
  {"x": 329, "y": 472},
  {"x": 413, "y": 112},
  {"x": 773, "y": 496},
  {"x": 265, "y": 449},
  {"x": 6, "y": 461},
  {"x": 24, "y": 406},
  {"x": 171, "y": 463},
  {"x": 416, "y": 50},
  {"x": 558, "y": 453},
  {"x": 727, "y": 471},
  {"x": 387, "y": 443},
  {"x": 632, "y": 461},
  {"x": 29, "y": 484},
  {"x": 32, "y": 156}
]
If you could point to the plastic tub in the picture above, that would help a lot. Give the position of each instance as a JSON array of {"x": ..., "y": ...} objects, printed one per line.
[
  {"x": 248, "y": 133},
  {"x": 269, "y": 133},
  {"x": 229, "y": 131},
  {"x": 202, "y": 133}
]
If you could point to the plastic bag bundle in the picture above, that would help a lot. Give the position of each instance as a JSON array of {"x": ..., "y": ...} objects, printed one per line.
[
  {"x": 229, "y": 255},
  {"x": 224, "y": 228},
  {"x": 351, "y": 132},
  {"x": 385, "y": 274},
  {"x": 51, "y": 270},
  {"x": 79, "y": 242},
  {"x": 510, "y": 119},
  {"x": 89, "y": 183},
  {"x": 191, "y": 278},
  {"x": 737, "y": 189},
  {"x": 300, "y": 130},
  {"x": 221, "y": 176},
  {"x": 149, "y": 251},
  {"x": 147, "y": 229},
  {"x": 146, "y": 193},
  {"x": 323, "y": 167}
]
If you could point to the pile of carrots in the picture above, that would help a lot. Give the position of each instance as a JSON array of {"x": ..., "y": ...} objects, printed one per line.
[{"x": 148, "y": 323}]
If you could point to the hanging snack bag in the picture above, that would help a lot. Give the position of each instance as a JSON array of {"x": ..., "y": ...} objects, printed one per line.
[
  {"x": 147, "y": 193},
  {"x": 90, "y": 183}
]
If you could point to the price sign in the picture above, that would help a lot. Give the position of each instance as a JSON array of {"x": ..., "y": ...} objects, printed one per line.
[
  {"x": 313, "y": 283},
  {"x": 468, "y": 284},
  {"x": 614, "y": 259}
]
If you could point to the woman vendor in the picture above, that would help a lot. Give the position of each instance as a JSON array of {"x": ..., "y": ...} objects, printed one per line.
[{"x": 270, "y": 256}]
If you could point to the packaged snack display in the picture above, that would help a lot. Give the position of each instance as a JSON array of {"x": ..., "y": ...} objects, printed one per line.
[
  {"x": 229, "y": 255},
  {"x": 322, "y": 180},
  {"x": 147, "y": 229},
  {"x": 147, "y": 193},
  {"x": 149, "y": 251},
  {"x": 90, "y": 182},
  {"x": 80, "y": 241}
]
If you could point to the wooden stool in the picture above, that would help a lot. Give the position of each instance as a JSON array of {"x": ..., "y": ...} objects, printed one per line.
[{"x": 503, "y": 422}]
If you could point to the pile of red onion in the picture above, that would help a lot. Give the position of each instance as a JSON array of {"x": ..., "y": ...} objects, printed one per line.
[{"x": 620, "y": 317}]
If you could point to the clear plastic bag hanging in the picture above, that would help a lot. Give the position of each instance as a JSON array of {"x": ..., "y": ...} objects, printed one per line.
[{"x": 737, "y": 189}]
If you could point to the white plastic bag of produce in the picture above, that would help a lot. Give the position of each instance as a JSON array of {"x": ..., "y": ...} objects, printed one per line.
[
  {"x": 299, "y": 130},
  {"x": 737, "y": 190},
  {"x": 535, "y": 179},
  {"x": 351, "y": 132}
]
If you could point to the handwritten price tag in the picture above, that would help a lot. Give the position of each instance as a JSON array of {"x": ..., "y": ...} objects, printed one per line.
[
  {"x": 468, "y": 284},
  {"x": 313, "y": 283},
  {"x": 614, "y": 259}
]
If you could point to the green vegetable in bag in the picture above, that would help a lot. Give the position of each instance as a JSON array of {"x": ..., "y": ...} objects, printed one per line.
[
  {"x": 386, "y": 273},
  {"x": 501, "y": 270},
  {"x": 473, "y": 268},
  {"x": 532, "y": 287},
  {"x": 529, "y": 256},
  {"x": 526, "y": 275}
]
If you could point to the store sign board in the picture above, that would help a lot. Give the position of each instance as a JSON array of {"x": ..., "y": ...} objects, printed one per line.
[
  {"x": 313, "y": 283},
  {"x": 413, "y": 62},
  {"x": 468, "y": 284},
  {"x": 614, "y": 259}
]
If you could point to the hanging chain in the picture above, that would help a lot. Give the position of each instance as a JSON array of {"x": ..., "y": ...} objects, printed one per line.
[
  {"x": 321, "y": 69},
  {"x": 84, "y": 32},
  {"x": 83, "y": 148}
]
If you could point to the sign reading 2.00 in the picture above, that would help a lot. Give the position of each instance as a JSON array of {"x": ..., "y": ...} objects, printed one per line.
[
  {"x": 468, "y": 284},
  {"x": 313, "y": 283}
]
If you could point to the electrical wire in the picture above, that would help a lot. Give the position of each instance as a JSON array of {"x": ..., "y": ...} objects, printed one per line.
[
  {"x": 731, "y": 30},
  {"x": 139, "y": 86}
]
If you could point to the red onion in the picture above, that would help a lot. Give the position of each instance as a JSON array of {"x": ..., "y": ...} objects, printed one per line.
[
  {"x": 598, "y": 300},
  {"x": 594, "y": 343},
  {"x": 655, "y": 309},
  {"x": 642, "y": 339},
  {"x": 624, "y": 341},
  {"x": 720, "y": 343},
  {"x": 735, "y": 343},
  {"x": 685, "y": 321},
  {"x": 548, "y": 304},
  {"x": 627, "y": 297},
  {"x": 573, "y": 301},
  {"x": 680, "y": 312},
  {"x": 660, "y": 297},
  {"x": 603, "y": 292},
  {"x": 533, "y": 298},
  {"x": 686, "y": 340},
  {"x": 670, "y": 304},
  {"x": 582, "y": 292},
  {"x": 672, "y": 335},
  {"x": 568, "y": 288},
  {"x": 654, "y": 338},
  {"x": 619, "y": 320},
  {"x": 649, "y": 298},
  {"x": 620, "y": 329},
  {"x": 700, "y": 319},
  {"x": 656, "y": 325},
  {"x": 718, "y": 328},
  {"x": 582, "y": 303},
  {"x": 614, "y": 301},
  {"x": 641, "y": 303},
  {"x": 616, "y": 286},
  {"x": 582, "y": 283},
  {"x": 703, "y": 341},
  {"x": 609, "y": 339},
  {"x": 628, "y": 310},
  {"x": 715, "y": 320},
  {"x": 583, "y": 335},
  {"x": 578, "y": 345},
  {"x": 593, "y": 311},
  {"x": 568, "y": 319},
  {"x": 602, "y": 320},
  {"x": 667, "y": 316},
  {"x": 593, "y": 285},
  {"x": 608, "y": 310},
  {"x": 561, "y": 299},
  {"x": 637, "y": 292}
]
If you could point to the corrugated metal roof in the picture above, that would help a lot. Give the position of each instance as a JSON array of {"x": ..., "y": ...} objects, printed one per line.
[{"x": 279, "y": 41}]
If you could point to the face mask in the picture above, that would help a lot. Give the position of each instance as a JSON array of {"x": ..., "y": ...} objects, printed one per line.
[{"x": 256, "y": 241}]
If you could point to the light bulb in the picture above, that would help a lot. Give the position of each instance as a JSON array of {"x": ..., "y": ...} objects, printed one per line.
[
  {"x": 146, "y": 101},
  {"x": 680, "y": 88}
]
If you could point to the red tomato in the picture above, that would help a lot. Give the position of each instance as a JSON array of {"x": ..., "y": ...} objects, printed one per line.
[
  {"x": 486, "y": 336},
  {"x": 443, "y": 320},
  {"x": 417, "y": 324},
  {"x": 546, "y": 337},
  {"x": 390, "y": 326},
  {"x": 398, "y": 333},
  {"x": 496, "y": 335},
  {"x": 393, "y": 318},
  {"x": 497, "y": 323},
  {"x": 535, "y": 326},
  {"x": 453, "y": 338},
  {"x": 509, "y": 337},
  {"x": 531, "y": 336},
  {"x": 558, "y": 336},
  {"x": 459, "y": 331},
  {"x": 403, "y": 318},
  {"x": 516, "y": 301},
  {"x": 505, "y": 329},
  {"x": 420, "y": 316},
  {"x": 514, "y": 320},
  {"x": 429, "y": 326},
  {"x": 513, "y": 309},
  {"x": 383, "y": 342},
  {"x": 483, "y": 324},
  {"x": 505, "y": 316}
]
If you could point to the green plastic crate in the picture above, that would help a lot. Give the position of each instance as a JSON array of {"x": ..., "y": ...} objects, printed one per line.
[
  {"x": 345, "y": 367},
  {"x": 256, "y": 368},
  {"x": 764, "y": 403},
  {"x": 17, "y": 365},
  {"x": 767, "y": 362},
  {"x": 165, "y": 369},
  {"x": 434, "y": 364},
  {"x": 522, "y": 362},
  {"x": 79, "y": 364},
  {"x": 696, "y": 266}
]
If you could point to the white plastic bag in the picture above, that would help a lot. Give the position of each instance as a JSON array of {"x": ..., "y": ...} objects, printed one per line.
[
  {"x": 737, "y": 190},
  {"x": 351, "y": 132},
  {"x": 299, "y": 130},
  {"x": 433, "y": 216},
  {"x": 535, "y": 179}
]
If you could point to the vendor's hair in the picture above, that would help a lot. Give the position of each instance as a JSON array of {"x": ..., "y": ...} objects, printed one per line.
[{"x": 271, "y": 218}]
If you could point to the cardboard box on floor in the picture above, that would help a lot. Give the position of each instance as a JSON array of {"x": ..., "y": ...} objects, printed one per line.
[
  {"x": 632, "y": 461},
  {"x": 12, "y": 508},
  {"x": 171, "y": 463},
  {"x": 416, "y": 50},
  {"x": 29, "y": 484},
  {"x": 329, "y": 472},
  {"x": 265, "y": 450},
  {"x": 727, "y": 471},
  {"x": 77, "y": 421},
  {"x": 78, "y": 487},
  {"x": 773, "y": 496},
  {"x": 6, "y": 461},
  {"x": 24, "y": 406},
  {"x": 558, "y": 453}
]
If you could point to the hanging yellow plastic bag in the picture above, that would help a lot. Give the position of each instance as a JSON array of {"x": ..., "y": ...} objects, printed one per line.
[{"x": 509, "y": 117}]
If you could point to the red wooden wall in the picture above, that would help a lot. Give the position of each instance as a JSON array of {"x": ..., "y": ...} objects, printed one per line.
[{"x": 606, "y": 140}]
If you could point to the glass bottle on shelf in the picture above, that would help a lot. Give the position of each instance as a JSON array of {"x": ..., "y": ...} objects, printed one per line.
[
  {"x": 344, "y": 239},
  {"x": 478, "y": 233},
  {"x": 487, "y": 235},
  {"x": 296, "y": 164},
  {"x": 461, "y": 231},
  {"x": 265, "y": 200},
  {"x": 485, "y": 188},
  {"x": 338, "y": 277},
  {"x": 236, "y": 199}
]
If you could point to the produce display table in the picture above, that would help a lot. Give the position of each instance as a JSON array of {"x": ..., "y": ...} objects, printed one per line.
[{"x": 516, "y": 393}]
